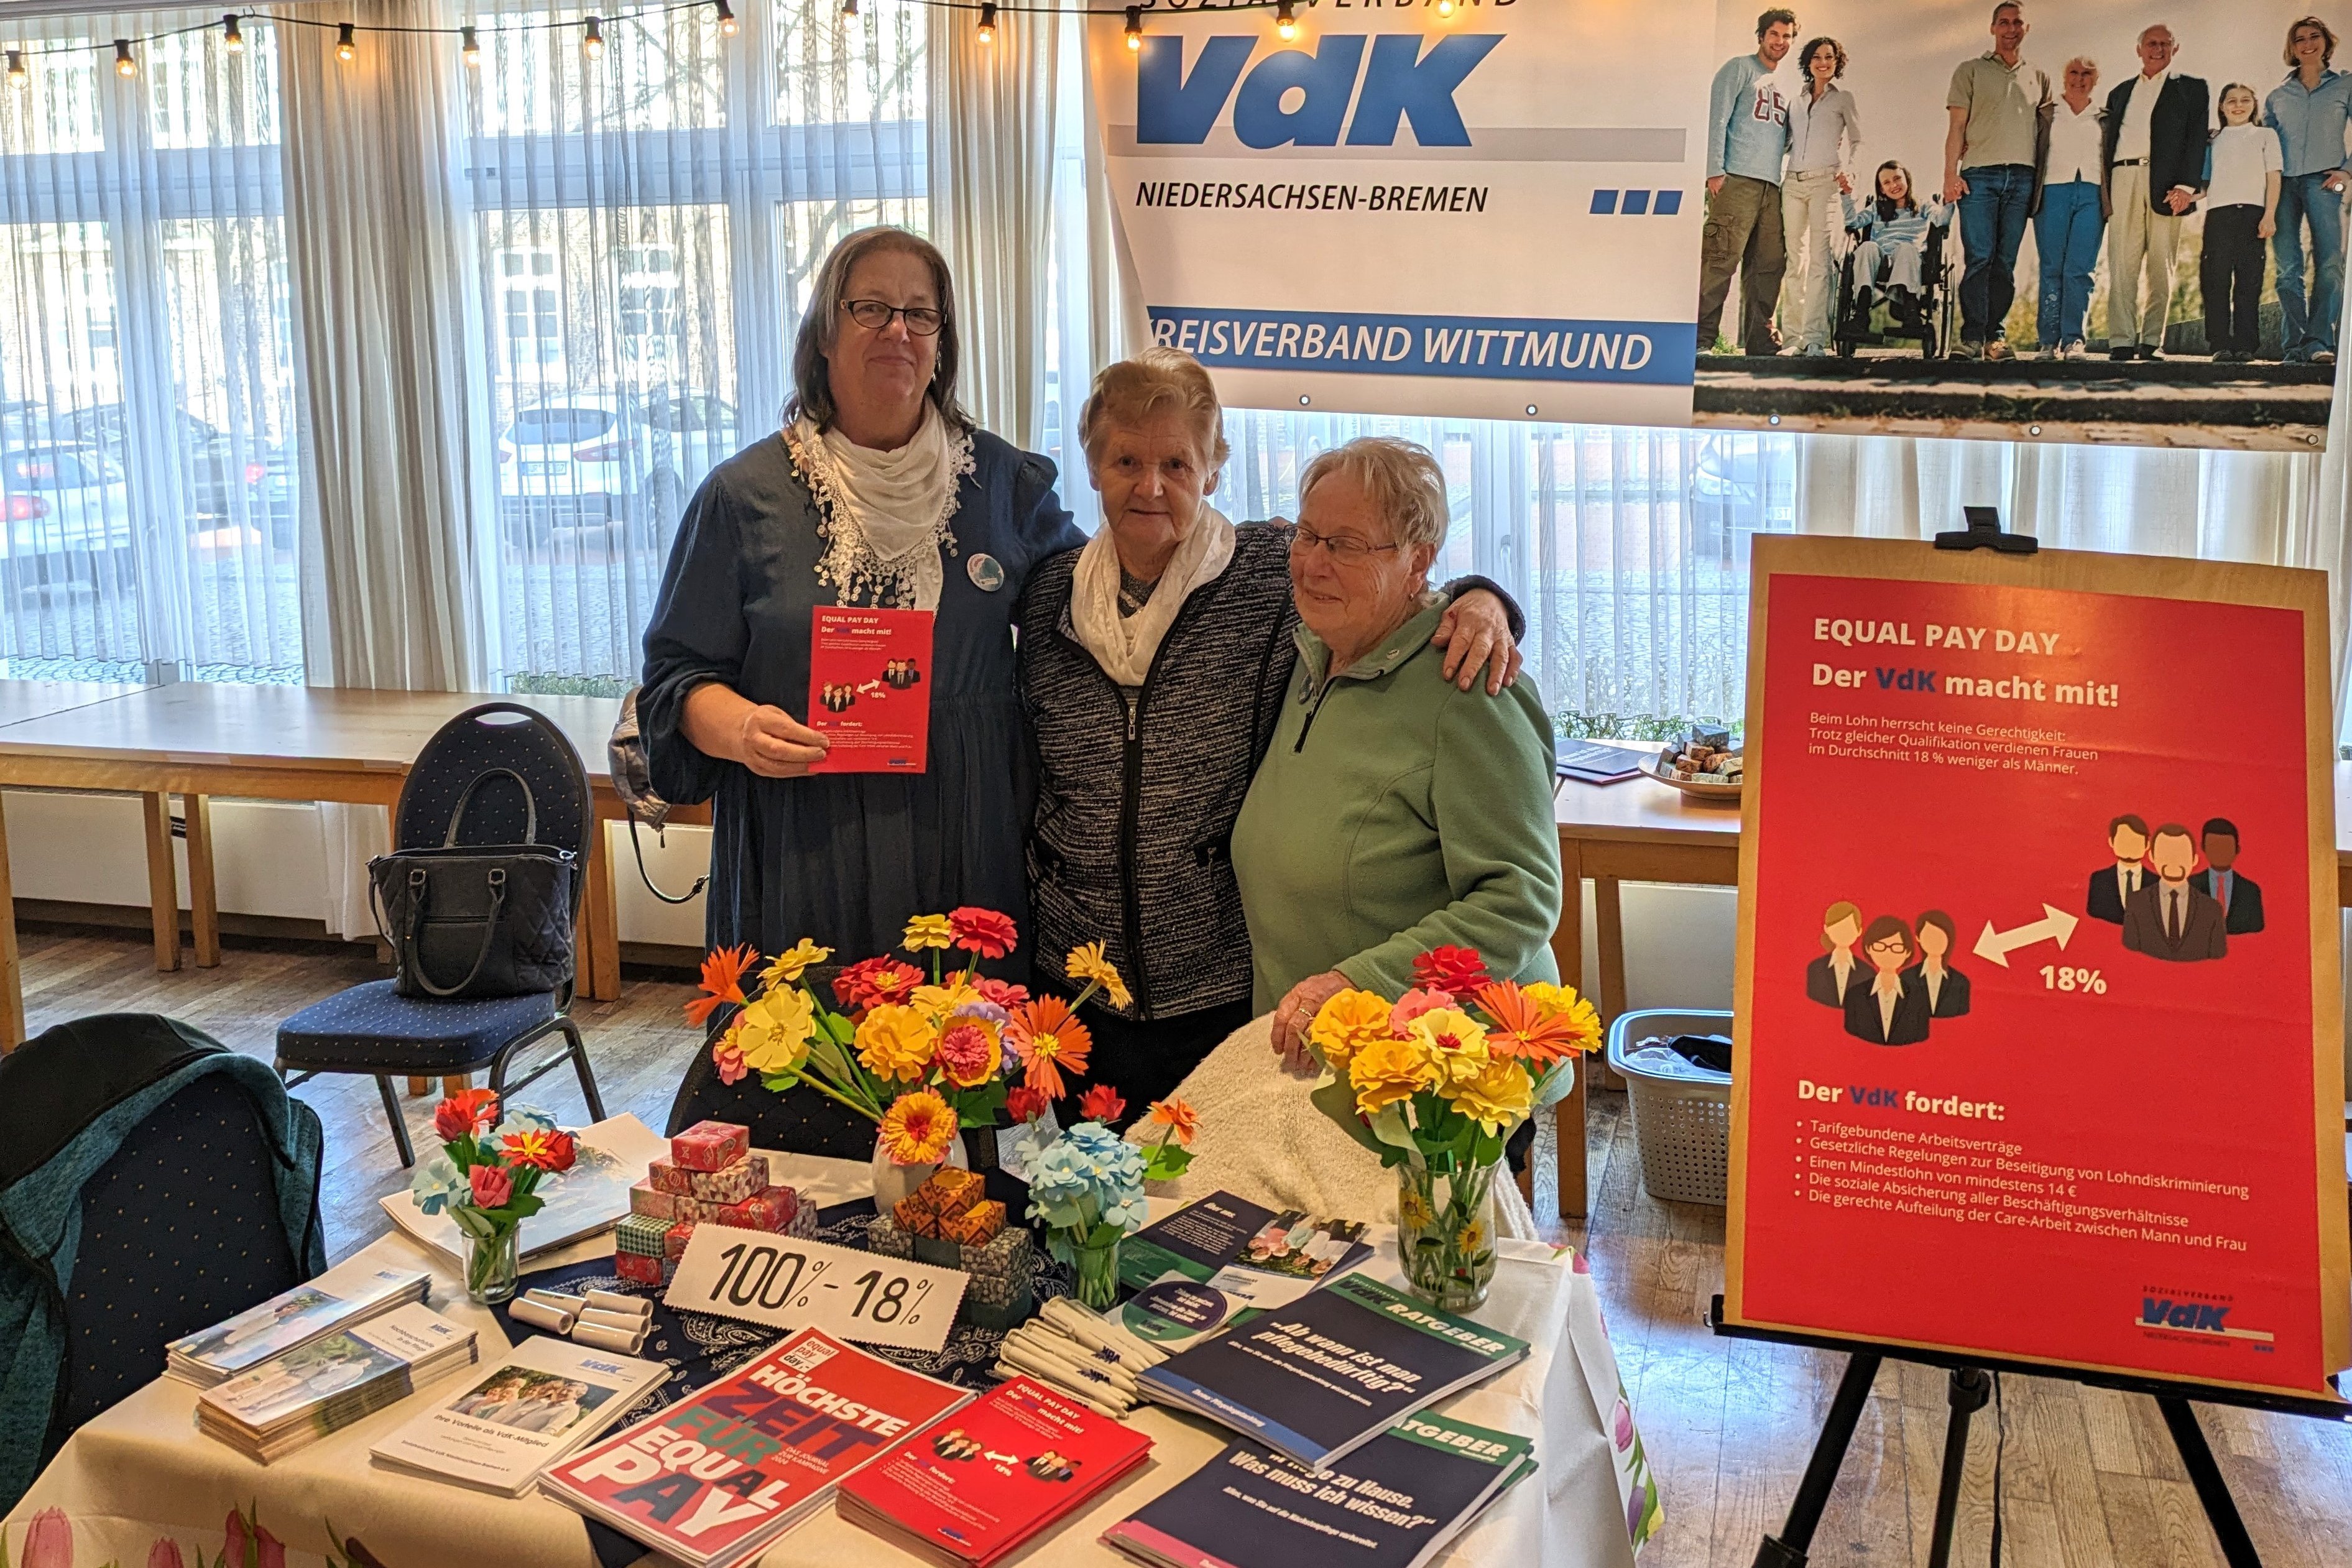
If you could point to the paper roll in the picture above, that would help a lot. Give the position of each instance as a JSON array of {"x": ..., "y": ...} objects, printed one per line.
[
  {"x": 539, "y": 1315},
  {"x": 558, "y": 1300},
  {"x": 619, "y": 1322},
  {"x": 613, "y": 1302},
  {"x": 622, "y": 1342}
]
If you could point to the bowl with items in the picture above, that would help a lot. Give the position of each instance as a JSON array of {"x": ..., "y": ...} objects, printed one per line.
[{"x": 1703, "y": 765}]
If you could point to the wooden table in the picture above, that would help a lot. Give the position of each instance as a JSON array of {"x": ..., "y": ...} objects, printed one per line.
[
  {"x": 198, "y": 740},
  {"x": 1642, "y": 831}
]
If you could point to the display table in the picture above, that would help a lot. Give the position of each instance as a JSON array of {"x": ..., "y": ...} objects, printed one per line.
[{"x": 140, "y": 1473}]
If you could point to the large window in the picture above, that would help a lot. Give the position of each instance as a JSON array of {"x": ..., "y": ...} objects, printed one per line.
[
  {"x": 147, "y": 394},
  {"x": 647, "y": 223}
]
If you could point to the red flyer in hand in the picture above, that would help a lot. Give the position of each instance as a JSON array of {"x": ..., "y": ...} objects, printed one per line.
[
  {"x": 981, "y": 1484},
  {"x": 870, "y": 689}
]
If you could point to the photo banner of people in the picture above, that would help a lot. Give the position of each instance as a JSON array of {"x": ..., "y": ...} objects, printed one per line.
[
  {"x": 2062, "y": 220},
  {"x": 2037, "y": 976}
]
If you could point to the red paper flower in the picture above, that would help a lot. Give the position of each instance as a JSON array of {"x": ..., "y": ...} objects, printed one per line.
[
  {"x": 1101, "y": 1103},
  {"x": 1026, "y": 1104},
  {"x": 1003, "y": 993},
  {"x": 723, "y": 980},
  {"x": 872, "y": 982},
  {"x": 1455, "y": 969},
  {"x": 464, "y": 1113},
  {"x": 493, "y": 1185},
  {"x": 729, "y": 1059},
  {"x": 983, "y": 932},
  {"x": 542, "y": 1149}
]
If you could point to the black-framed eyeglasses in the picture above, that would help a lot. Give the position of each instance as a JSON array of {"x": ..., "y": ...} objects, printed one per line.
[
  {"x": 875, "y": 316},
  {"x": 1343, "y": 547}
]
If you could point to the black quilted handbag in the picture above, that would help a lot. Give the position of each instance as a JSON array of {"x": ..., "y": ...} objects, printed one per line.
[{"x": 477, "y": 920}]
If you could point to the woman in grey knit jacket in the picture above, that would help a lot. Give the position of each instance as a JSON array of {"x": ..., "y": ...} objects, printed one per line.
[{"x": 1153, "y": 663}]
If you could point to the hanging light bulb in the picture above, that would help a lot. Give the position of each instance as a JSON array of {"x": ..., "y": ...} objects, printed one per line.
[
  {"x": 1135, "y": 26},
  {"x": 1446, "y": 7},
  {"x": 345, "y": 49},
  {"x": 124, "y": 66},
  {"x": 470, "y": 45},
  {"x": 592, "y": 40},
  {"x": 18, "y": 76},
  {"x": 1286, "y": 21},
  {"x": 231, "y": 40},
  {"x": 988, "y": 21},
  {"x": 849, "y": 10},
  {"x": 725, "y": 19}
]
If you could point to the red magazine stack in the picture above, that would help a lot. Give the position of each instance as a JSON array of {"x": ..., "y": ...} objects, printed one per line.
[
  {"x": 718, "y": 1476},
  {"x": 974, "y": 1490}
]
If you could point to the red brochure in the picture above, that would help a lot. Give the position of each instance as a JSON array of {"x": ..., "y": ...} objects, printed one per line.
[
  {"x": 870, "y": 689},
  {"x": 712, "y": 1480},
  {"x": 982, "y": 1483}
]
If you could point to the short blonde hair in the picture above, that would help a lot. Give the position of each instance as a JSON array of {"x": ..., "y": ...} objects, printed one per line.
[
  {"x": 2086, "y": 62},
  {"x": 1403, "y": 480},
  {"x": 1159, "y": 379}
]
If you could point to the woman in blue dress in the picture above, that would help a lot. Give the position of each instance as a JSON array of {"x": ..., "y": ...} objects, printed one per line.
[{"x": 878, "y": 490}]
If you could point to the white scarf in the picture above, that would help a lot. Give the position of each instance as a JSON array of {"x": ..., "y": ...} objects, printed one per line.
[
  {"x": 1125, "y": 644},
  {"x": 885, "y": 514}
]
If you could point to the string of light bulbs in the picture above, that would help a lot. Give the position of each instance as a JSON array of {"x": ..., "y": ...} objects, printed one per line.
[{"x": 988, "y": 15}]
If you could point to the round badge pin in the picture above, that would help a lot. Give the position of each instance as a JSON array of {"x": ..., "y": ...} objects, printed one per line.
[{"x": 987, "y": 572}]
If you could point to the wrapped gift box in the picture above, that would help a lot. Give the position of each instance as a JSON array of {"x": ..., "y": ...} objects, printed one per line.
[
  {"x": 647, "y": 1199},
  {"x": 642, "y": 1235},
  {"x": 710, "y": 1145},
  {"x": 674, "y": 1239},
  {"x": 732, "y": 1183},
  {"x": 674, "y": 1179},
  {"x": 642, "y": 1270},
  {"x": 769, "y": 1210}
]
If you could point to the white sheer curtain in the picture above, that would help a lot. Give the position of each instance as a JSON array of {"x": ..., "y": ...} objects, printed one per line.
[
  {"x": 644, "y": 228},
  {"x": 148, "y": 429}
]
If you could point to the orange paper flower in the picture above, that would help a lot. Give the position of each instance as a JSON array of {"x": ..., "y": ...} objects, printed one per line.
[
  {"x": 1049, "y": 1040},
  {"x": 723, "y": 980},
  {"x": 1524, "y": 1028},
  {"x": 542, "y": 1149},
  {"x": 918, "y": 1129},
  {"x": 1179, "y": 1119}
]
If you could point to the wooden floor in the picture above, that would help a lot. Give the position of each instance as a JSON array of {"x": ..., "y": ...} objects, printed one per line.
[{"x": 2089, "y": 1478}]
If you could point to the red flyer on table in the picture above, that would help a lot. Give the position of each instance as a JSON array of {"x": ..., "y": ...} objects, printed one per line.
[
  {"x": 870, "y": 689},
  {"x": 981, "y": 1485},
  {"x": 712, "y": 1480}
]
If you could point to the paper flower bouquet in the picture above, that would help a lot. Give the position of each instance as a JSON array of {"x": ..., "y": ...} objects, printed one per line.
[{"x": 486, "y": 1178}]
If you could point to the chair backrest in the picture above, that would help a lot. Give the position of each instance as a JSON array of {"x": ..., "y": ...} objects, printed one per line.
[
  {"x": 180, "y": 1230},
  {"x": 481, "y": 742}
]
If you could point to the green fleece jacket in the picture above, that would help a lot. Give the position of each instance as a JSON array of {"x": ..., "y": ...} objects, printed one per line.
[{"x": 1394, "y": 814}]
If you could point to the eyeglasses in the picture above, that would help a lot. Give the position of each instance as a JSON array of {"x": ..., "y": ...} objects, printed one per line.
[
  {"x": 1345, "y": 548},
  {"x": 875, "y": 316},
  {"x": 1892, "y": 946}
]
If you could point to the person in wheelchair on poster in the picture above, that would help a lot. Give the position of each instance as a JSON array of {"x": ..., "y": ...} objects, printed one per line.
[{"x": 1897, "y": 257}]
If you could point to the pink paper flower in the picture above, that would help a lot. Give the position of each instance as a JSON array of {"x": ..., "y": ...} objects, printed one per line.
[
  {"x": 728, "y": 1057},
  {"x": 49, "y": 1539},
  {"x": 1414, "y": 1003},
  {"x": 166, "y": 1553},
  {"x": 1003, "y": 993},
  {"x": 493, "y": 1185}
]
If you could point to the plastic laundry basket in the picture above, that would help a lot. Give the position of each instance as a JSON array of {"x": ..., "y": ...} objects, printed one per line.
[{"x": 1682, "y": 1111}]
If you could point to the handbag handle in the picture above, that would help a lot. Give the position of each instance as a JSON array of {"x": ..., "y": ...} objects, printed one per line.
[
  {"x": 529, "y": 806},
  {"x": 490, "y": 926}
]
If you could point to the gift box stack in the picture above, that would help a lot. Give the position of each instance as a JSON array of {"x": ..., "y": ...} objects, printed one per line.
[
  {"x": 711, "y": 1175},
  {"x": 948, "y": 1221}
]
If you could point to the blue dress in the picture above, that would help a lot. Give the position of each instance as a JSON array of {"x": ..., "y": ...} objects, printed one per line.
[{"x": 844, "y": 859}]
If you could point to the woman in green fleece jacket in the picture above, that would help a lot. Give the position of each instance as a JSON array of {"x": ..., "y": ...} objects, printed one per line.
[{"x": 1395, "y": 812}]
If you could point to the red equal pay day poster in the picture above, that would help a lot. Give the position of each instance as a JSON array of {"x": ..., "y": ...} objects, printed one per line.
[
  {"x": 2028, "y": 1004},
  {"x": 870, "y": 689}
]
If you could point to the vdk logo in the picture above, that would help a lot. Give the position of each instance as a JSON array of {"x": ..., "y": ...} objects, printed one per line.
[
  {"x": 2162, "y": 1312},
  {"x": 1400, "y": 84}
]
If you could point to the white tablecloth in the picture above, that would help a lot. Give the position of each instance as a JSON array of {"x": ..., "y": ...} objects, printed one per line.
[{"x": 140, "y": 1484}]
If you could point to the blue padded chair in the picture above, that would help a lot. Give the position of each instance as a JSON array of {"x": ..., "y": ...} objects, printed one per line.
[{"x": 373, "y": 1029}]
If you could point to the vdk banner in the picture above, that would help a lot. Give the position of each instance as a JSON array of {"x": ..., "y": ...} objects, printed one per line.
[{"x": 1493, "y": 213}]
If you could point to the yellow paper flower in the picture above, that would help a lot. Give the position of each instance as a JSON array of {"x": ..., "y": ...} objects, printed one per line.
[
  {"x": 1346, "y": 1025},
  {"x": 927, "y": 930},
  {"x": 918, "y": 1129},
  {"x": 772, "y": 1031},
  {"x": 787, "y": 967},
  {"x": 1496, "y": 1097},
  {"x": 1088, "y": 963},
  {"x": 1454, "y": 1042},
  {"x": 894, "y": 1044},
  {"x": 938, "y": 1001},
  {"x": 1389, "y": 1072},
  {"x": 1562, "y": 1002}
]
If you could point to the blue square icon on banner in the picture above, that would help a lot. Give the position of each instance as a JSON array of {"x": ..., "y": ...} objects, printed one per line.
[
  {"x": 1605, "y": 201},
  {"x": 1636, "y": 203},
  {"x": 1668, "y": 204}
]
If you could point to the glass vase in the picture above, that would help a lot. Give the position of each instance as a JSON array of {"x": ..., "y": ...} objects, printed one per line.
[
  {"x": 893, "y": 1181},
  {"x": 1097, "y": 1266},
  {"x": 1446, "y": 1233},
  {"x": 492, "y": 1262}
]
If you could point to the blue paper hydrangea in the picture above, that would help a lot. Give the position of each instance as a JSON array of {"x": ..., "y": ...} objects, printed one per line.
[
  {"x": 438, "y": 1185},
  {"x": 1089, "y": 1183}
]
